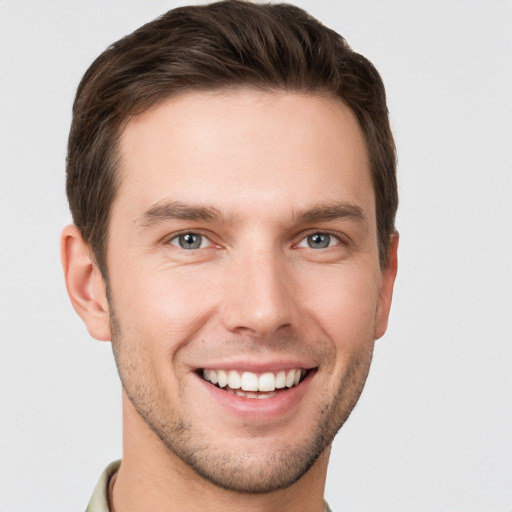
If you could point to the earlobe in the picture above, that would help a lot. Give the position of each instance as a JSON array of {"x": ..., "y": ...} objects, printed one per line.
[
  {"x": 85, "y": 284},
  {"x": 388, "y": 277}
]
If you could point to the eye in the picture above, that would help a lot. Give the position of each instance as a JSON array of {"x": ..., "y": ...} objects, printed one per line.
[
  {"x": 319, "y": 241},
  {"x": 190, "y": 241}
]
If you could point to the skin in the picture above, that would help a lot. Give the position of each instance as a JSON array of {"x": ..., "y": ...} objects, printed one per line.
[{"x": 254, "y": 174}]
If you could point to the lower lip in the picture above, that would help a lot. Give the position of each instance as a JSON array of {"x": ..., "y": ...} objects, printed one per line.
[{"x": 258, "y": 408}]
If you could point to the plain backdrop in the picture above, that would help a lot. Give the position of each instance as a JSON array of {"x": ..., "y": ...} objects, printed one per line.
[{"x": 433, "y": 429}]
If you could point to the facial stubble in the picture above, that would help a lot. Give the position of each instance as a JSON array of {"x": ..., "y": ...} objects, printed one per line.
[{"x": 239, "y": 471}]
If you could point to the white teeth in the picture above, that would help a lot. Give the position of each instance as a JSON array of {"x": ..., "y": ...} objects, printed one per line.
[
  {"x": 250, "y": 383},
  {"x": 248, "y": 394},
  {"x": 267, "y": 382},
  {"x": 222, "y": 378},
  {"x": 290, "y": 378},
  {"x": 280, "y": 380},
  {"x": 234, "y": 380}
]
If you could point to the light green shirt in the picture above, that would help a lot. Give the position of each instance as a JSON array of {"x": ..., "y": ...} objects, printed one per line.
[{"x": 99, "y": 500}]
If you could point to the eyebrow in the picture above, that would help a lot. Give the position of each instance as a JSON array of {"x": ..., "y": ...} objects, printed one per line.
[
  {"x": 177, "y": 210},
  {"x": 335, "y": 211}
]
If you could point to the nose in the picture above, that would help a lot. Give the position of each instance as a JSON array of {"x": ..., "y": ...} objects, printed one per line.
[{"x": 259, "y": 297}]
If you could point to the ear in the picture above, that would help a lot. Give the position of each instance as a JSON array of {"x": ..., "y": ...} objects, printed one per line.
[
  {"x": 388, "y": 276},
  {"x": 85, "y": 284}
]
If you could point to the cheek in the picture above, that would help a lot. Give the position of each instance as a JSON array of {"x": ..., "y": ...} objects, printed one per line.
[
  {"x": 344, "y": 306},
  {"x": 164, "y": 305}
]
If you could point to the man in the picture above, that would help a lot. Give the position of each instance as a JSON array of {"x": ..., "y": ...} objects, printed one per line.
[{"x": 231, "y": 175}]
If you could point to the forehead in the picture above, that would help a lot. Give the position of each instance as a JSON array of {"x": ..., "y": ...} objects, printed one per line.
[{"x": 239, "y": 149}]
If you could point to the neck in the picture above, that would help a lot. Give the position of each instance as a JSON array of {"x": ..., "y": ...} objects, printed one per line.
[{"x": 151, "y": 477}]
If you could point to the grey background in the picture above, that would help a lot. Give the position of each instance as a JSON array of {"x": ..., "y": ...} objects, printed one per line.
[{"x": 433, "y": 430}]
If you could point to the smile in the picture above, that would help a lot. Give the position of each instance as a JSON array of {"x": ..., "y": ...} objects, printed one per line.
[{"x": 253, "y": 385}]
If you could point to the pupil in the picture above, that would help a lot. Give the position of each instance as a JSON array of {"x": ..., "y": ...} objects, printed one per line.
[{"x": 319, "y": 240}]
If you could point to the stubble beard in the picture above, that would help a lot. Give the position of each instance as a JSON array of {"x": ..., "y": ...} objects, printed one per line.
[{"x": 243, "y": 471}]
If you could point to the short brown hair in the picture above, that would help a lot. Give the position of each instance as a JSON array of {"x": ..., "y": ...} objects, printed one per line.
[{"x": 223, "y": 44}]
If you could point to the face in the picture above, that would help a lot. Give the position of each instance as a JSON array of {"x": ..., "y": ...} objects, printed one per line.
[{"x": 244, "y": 279}]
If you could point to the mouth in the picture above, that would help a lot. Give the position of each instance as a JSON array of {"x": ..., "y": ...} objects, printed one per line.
[{"x": 254, "y": 385}]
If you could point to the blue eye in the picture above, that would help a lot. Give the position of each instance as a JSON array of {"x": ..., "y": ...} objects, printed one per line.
[
  {"x": 319, "y": 241},
  {"x": 189, "y": 241}
]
